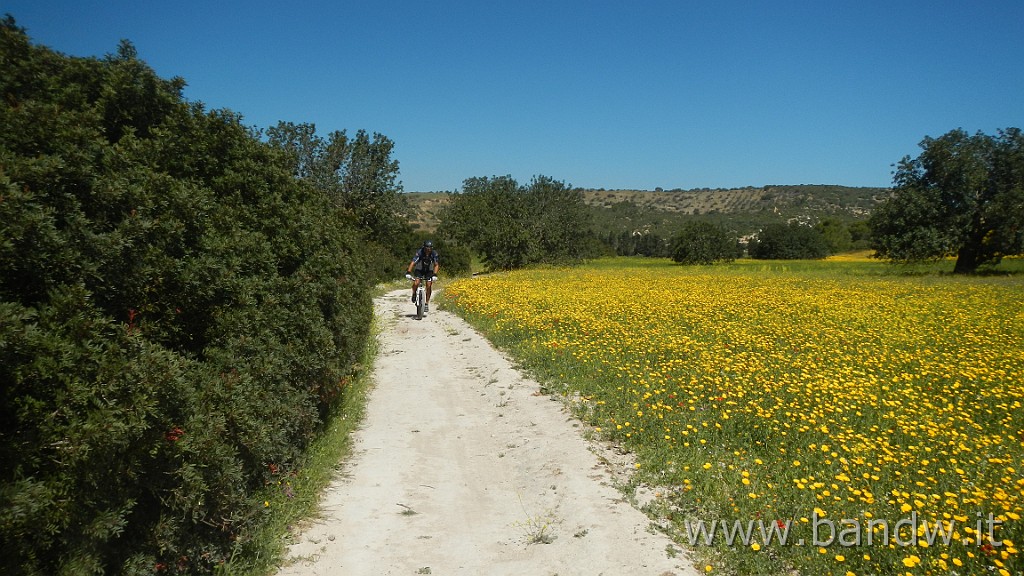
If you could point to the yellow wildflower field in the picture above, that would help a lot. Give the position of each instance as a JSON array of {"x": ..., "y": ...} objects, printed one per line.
[{"x": 792, "y": 396}]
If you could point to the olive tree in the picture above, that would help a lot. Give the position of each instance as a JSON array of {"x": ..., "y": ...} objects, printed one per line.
[{"x": 963, "y": 196}]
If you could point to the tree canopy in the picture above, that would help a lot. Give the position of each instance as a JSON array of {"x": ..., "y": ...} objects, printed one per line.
[
  {"x": 792, "y": 241},
  {"x": 701, "y": 242},
  {"x": 510, "y": 225},
  {"x": 963, "y": 196},
  {"x": 359, "y": 172},
  {"x": 836, "y": 233},
  {"x": 360, "y": 175}
]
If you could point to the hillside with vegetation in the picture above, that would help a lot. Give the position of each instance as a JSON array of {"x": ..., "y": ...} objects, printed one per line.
[{"x": 741, "y": 210}]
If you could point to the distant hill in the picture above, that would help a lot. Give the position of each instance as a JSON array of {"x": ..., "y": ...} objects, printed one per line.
[
  {"x": 742, "y": 210},
  {"x": 424, "y": 208}
]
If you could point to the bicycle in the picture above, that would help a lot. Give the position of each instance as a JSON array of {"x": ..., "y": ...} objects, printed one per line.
[{"x": 421, "y": 293}]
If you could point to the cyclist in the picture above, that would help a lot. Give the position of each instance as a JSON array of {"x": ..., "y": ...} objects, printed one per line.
[{"x": 426, "y": 262}]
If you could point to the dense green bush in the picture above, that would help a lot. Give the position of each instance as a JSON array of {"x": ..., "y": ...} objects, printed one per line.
[
  {"x": 793, "y": 241},
  {"x": 701, "y": 242},
  {"x": 178, "y": 312},
  {"x": 457, "y": 259},
  {"x": 836, "y": 234}
]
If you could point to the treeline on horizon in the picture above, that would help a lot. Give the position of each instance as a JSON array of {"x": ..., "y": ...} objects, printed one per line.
[
  {"x": 962, "y": 198},
  {"x": 645, "y": 223},
  {"x": 509, "y": 226}
]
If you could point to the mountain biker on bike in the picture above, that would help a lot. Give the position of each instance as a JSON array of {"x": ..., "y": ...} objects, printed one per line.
[{"x": 426, "y": 262}]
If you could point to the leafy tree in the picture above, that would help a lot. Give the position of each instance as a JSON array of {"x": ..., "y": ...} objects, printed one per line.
[
  {"x": 361, "y": 175},
  {"x": 962, "y": 196},
  {"x": 619, "y": 243},
  {"x": 315, "y": 159},
  {"x": 490, "y": 217},
  {"x": 860, "y": 235},
  {"x": 625, "y": 242},
  {"x": 701, "y": 242},
  {"x": 793, "y": 241},
  {"x": 512, "y": 226},
  {"x": 370, "y": 186},
  {"x": 836, "y": 235},
  {"x": 560, "y": 219}
]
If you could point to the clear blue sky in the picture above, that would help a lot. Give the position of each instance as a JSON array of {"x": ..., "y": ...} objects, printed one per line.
[{"x": 599, "y": 94}]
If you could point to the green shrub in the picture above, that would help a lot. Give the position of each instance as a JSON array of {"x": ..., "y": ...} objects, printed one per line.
[
  {"x": 700, "y": 242},
  {"x": 792, "y": 241},
  {"x": 178, "y": 313}
]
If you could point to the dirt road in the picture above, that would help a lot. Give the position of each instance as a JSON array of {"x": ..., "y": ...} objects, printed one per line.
[{"x": 462, "y": 467}]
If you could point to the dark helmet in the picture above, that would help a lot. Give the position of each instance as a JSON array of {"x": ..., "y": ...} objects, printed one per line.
[{"x": 428, "y": 244}]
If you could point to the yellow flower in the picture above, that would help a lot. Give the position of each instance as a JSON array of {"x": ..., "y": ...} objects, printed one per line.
[
  {"x": 781, "y": 355},
  {"x": 911, "y": 561}
]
